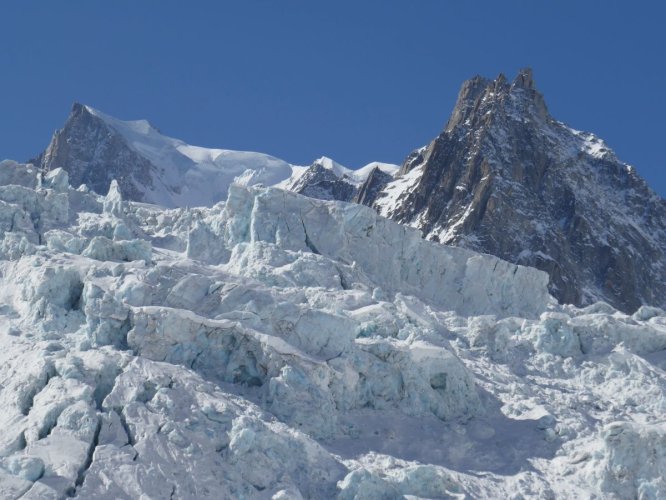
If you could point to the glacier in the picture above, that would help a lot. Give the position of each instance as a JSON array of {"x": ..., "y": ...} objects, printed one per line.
[{"x": 274, "y": 346}]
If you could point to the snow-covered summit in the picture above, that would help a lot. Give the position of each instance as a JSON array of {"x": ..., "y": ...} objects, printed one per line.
[
  {"x": 326, "y": 179},
  {"x": 362, "y": 173},
  {"x": 149, "y": 166},
  {"x": 333, "y": 166},
  {"x": 94, "y": 148},
  {"x": 357, "y": 176}
]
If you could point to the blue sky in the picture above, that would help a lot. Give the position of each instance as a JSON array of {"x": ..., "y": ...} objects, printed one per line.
[{"x": 355, "y": 80}]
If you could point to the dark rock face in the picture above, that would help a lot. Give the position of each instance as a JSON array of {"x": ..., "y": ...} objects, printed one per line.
[
  {"x": 506, "y": 178},
  {"x": 374, "y": 183},
  {"x": 322, "y": 183},
  {"x": 93, "y": 154}
]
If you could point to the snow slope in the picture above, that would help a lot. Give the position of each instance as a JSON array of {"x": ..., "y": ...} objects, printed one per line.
[
  {"x": 277, "y": 346},
  {"x": 362, "y": 173},
  {"x": 202, "y": 174}
]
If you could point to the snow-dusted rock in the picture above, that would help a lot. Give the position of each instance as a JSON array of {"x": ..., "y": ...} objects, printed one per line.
[{"x": 507, "y": 178}]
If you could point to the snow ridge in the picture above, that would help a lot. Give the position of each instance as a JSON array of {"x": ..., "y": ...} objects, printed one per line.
[{"x": 95, "y": 148}]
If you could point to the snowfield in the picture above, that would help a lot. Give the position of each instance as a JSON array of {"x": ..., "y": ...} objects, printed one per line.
[{"x": 275, "y": 346}]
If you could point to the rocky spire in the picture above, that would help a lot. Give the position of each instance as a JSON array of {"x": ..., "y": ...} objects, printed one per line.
[
  {"x": 479, "y": 95},
  {"x": 524, "y": 79},
  {"x": 506, "y": 178},
  {"x": 468, "y": 97},
  {"x": 373, "y": 184}
]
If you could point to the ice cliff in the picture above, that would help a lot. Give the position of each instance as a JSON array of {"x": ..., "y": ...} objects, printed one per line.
[{"x": 277, "y": 346}]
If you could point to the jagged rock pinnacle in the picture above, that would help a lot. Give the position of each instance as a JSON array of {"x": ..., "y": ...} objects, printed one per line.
[
  {"x": 524, "y": 79},
  {"x": 506, "y": 178}
]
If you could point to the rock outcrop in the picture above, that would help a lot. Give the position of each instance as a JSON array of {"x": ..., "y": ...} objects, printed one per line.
[
  {"x": 322, "y": 181},
  {"x": 326, "y": 179},
  {"x": 506, "y": 178},
  {"x": 93, "y": 153}
]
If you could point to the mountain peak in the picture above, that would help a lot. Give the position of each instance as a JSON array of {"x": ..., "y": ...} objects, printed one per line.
[
  {"x": 95, "y": 148},
  {"x": 524, "y": 79},
  {"x": 506, "y": 178},
  {"x": 468, "y": 96},
  {"x": 480, "y": 96},
  {"x": 141, "y": 126},
  {"x": 77, "y": 107},
  {"x": 80, "y": 110}
]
